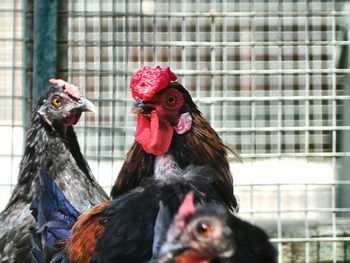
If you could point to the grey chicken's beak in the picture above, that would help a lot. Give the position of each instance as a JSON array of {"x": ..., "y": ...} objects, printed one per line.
[
  {"x": 170, "y": 251},
  {"x": 86, "y": 105},
  {"x": 141, "y": 107}
]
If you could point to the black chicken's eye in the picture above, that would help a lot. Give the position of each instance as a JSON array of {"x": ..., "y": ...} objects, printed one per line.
[
  {"x": 204, "y": 229},
  {"x": 171, "y": 100},
  {"x": 56, "y": 102}
]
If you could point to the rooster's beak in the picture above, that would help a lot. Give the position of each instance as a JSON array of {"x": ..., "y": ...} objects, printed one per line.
[
  {"x": 86, "y": 105},
  {"x": 141, "y": 107},
  {"x": 170, "y": 251}
]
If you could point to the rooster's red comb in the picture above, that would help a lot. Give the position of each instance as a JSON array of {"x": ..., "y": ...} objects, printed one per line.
[
  {"x": 148, "y": 81},
  {"x": 71, "y": 89}
]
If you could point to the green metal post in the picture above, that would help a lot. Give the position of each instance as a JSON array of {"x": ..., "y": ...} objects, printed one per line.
[
  {"x": 27, "y": 60},
  {"x": 44, "y": 45}
]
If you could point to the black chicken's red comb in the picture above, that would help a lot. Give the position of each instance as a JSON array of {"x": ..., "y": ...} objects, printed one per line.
[
  {"x": 186, "y": 209},
  {"x": 71, "y": 89}
]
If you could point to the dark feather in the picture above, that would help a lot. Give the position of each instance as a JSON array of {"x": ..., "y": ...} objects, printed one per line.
[
  {"x": 51, "y": 203},
  {"x": 56, "y": 216},
  {"x": 162, "y": 223},
  {"x": 37, "y": 249},
  {"x": 137, "y": 165}
]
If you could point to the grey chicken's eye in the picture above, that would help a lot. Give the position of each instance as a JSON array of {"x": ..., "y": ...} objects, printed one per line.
[
  {"x": 56, "y": 102},
  {"x": 204, "y": 229}
]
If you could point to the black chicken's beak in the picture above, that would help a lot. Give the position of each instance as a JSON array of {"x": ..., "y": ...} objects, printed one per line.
[
  {"x": 141, "y": 107},
  {"x": 170, "y": 251},
  {"x": 86, "y": 105}
]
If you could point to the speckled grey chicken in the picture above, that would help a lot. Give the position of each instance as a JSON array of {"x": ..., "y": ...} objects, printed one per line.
[{"x": 51, "y": 146}]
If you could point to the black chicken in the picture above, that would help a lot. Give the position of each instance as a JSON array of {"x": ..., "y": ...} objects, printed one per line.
[
  {"x": 51, "y": 146},
  {"x": 208, "y": 233},
  {"x": 123, "y": 230}
]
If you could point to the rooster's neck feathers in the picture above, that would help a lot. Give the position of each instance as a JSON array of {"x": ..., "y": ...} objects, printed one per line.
[
  {"x": 199, "y": 146},
  {"x": 203, "y": 146},
  {"x": 165, "y": 167}
]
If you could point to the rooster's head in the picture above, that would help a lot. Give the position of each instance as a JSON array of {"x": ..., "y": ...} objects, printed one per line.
[
  {"x": 162, "y": 107},
  {"x": 62, "y": 105}
]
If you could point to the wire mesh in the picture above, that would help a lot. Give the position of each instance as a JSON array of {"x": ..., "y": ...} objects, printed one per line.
[
  {"x": 12, "y": 97},
  {"x": 265, "y": 74}
]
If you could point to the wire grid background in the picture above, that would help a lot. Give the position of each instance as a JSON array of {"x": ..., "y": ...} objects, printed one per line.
[
  {"x": 12, "y": 95},
  {"x": 264, "y": 73}
]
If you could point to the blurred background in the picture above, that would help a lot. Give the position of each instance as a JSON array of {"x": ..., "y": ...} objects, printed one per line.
[{"x": 270, "y": 76}]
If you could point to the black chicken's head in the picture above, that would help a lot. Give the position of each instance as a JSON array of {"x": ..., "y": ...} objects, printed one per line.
[
  {"x": 199, "y": 234},
  {"x": 58, "y": 108},
  {"x": 210, "y": 233}
]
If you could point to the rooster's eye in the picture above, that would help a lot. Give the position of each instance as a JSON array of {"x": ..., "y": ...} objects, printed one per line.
[
  {"x": 171, "y": 99},
  {"x": 56, "y": 102},
  {"x": 204, "y": 229}
]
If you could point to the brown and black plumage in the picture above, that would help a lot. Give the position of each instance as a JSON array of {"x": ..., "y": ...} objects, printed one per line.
[
  {"x": 123, "y": 230},
  {"x": 51, "y": 146}
]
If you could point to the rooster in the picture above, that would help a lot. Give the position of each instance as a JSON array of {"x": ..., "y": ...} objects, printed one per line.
[
  {"x": 171, "y": 131},
  {"x": 51, "y": 146},
  {"x": 171, "y": 136},
  {"x": 209, "y": 233}
]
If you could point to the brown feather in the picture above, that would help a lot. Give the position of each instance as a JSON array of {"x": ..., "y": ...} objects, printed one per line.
[
  {"x": 86, "y": 233},
  {"x": 210, "y": 151},
  {"x": 138, "y": 164},
  {"x": 234, "y": 151}
]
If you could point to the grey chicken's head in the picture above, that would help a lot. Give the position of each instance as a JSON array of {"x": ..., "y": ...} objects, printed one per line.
[
  {"x": 60, "y": 107},
  {"x": 198, "y": 234}
]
